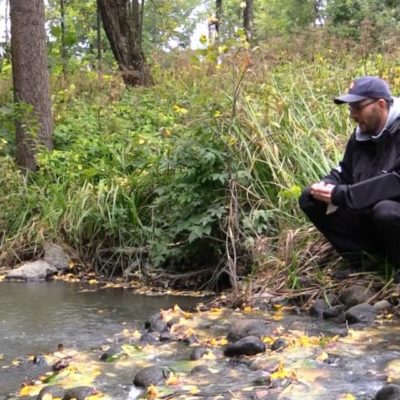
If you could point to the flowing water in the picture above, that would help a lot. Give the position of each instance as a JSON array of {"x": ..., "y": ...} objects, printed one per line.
[
  {"x": 323, "y": 360},
  {"x": 36, "y": 317}
]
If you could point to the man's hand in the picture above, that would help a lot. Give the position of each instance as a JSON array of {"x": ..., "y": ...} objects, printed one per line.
[{"x": 322, "y": 191}]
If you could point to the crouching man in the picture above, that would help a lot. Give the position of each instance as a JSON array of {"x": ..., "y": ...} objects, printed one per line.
[{"x": 357, "y": 205}]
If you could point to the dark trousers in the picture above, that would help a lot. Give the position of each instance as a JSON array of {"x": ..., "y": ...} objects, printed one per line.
[{"x": 354, "y": 233}]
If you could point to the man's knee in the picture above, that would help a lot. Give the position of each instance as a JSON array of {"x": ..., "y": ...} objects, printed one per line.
[{"x": 386, "y": 212}]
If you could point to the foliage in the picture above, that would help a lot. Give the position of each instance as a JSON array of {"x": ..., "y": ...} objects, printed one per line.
[
  {"x": 161, "y": 176},
  {"x": 277, "y": 17},
  {"x": 363, "y": 19},
  {"x": 169, "y": 24}
]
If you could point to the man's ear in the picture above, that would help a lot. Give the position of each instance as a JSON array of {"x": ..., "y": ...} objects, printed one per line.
[{"x": 382, "y": 104}]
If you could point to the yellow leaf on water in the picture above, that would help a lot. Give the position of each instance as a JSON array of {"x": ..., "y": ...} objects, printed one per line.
[
  {"x": 152, "y": 392},
  {"x": 322, "y": 357},
  {"x": 176, "y": 308},
  {"x": 172, "y": 379},
  {"x": 218, "y": 342},
  {"x": 92, "y": 281},
  {"x": 278, "y": 316},
  {"x": 194, "y": 390},
  {"x": 209, "y": 356},
  {"x": 347, "y": 396},
  {"x": 282, "y": 372},
  {"x": 268, "y": 339},
  {"x": 308, "y": 341},
  {"x": 30, "y": 390}
]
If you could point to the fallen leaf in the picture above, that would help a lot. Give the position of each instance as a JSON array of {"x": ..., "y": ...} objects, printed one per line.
[
  {"x": 347, "y": 396},
  {"x": 322, "y": 357},
  {"x": 152, "y": 392}
]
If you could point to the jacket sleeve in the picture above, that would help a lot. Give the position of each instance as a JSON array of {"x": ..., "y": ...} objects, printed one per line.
[
  {"x": 367, "y": 193},
  {"x": 342, "y": 173}
]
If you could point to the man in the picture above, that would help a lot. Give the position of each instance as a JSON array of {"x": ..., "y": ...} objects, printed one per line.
[{"x": 357, "y": 205}]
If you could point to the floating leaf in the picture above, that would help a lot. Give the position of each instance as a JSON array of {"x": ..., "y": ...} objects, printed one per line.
[
  {"x": 172, "y": 379},
  {"x": 152, "y": 392},
  {"x": 347, "y": 396},
  {"x": 30, "y": 390},
  {"x": 322, "y": 357}
]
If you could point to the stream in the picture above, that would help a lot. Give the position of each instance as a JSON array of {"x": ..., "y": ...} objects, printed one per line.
[
  {"x": 320, "y": 359},
  {"x": 36, "y": 317}
]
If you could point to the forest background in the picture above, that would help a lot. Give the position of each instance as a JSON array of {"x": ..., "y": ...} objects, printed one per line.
[{"x": 185, "y": 170}]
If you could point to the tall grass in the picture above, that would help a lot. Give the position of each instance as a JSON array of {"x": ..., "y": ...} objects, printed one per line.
[{"x": 153, "y": 176}]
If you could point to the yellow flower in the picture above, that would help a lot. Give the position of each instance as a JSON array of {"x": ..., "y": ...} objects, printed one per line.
[
  {"x": 180, "y": 110},
  {"x": 203, "y": 39}
]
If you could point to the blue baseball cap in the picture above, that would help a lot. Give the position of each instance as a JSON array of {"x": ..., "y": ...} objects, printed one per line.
[{"x": 366, "y": 87}]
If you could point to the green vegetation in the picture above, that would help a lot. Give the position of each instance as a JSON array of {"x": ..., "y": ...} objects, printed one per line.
[{"x": 194, "y": 171}]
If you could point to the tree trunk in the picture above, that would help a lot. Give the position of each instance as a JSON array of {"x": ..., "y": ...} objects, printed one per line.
[
  {"x": 99, "y": 46},
  {"x": 248, "y": 19},
  {"x": 34, "y": 125},
  {"x": 121, "y": 21},
  {"x": 63, "y": 46},
  {"x": 218, "y": 15}
]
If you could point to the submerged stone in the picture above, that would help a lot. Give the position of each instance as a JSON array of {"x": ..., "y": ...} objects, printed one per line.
[
  {"x": 150, "y": 376},
  {"x": 250, "y": 327},
  {"x": 79, "y": 393},
  {"x": 54, "y": 391},
  {"x": 278, "y": 344},
  {"x": 156, "y": 323},
  {"x": 248, "y": 346}
]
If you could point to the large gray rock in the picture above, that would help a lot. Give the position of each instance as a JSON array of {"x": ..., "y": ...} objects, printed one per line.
[
  {"x": 333, "y": 312},
  {"x": 251, "y": 327},
  {"x": 382, "y": 305},
  {"x": 356, "y": 294},
  {"x": 248, "y": 346},
  {"x": 55, "y": 255},
  {"x": 150, "y": 376},
  {"x": 79, "y": 393},
  {"x": 32, "y": 271},
  {"x": 53, "y": 391},
  {"x": 360, "y": 313},
  {"x": 156, "y": 323}
]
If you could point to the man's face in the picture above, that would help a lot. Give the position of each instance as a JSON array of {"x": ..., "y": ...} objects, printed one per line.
[{"x": 369, "y": 115}]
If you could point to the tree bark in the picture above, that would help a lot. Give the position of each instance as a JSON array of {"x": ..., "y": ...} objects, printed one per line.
[
  {"x": 63, "y": 46},
  {"x": 218, "y": 15},
  {"x": 34, "y": 125},
  {"x": 99, "y": 45},
  {"x": 121, "y": 22},
  {"x": 248, "y": 19}
]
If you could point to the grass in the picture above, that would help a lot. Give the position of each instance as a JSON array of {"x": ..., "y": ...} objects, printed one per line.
[{"x": 149, "y": 172}]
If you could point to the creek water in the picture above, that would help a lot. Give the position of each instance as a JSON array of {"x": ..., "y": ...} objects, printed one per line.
[
  {"x": 36, "y": 317},
  {"x": 323, "y": 360}
]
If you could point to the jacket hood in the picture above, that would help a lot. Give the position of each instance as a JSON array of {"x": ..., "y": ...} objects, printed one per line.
[{"x": 392, "y": 120}]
